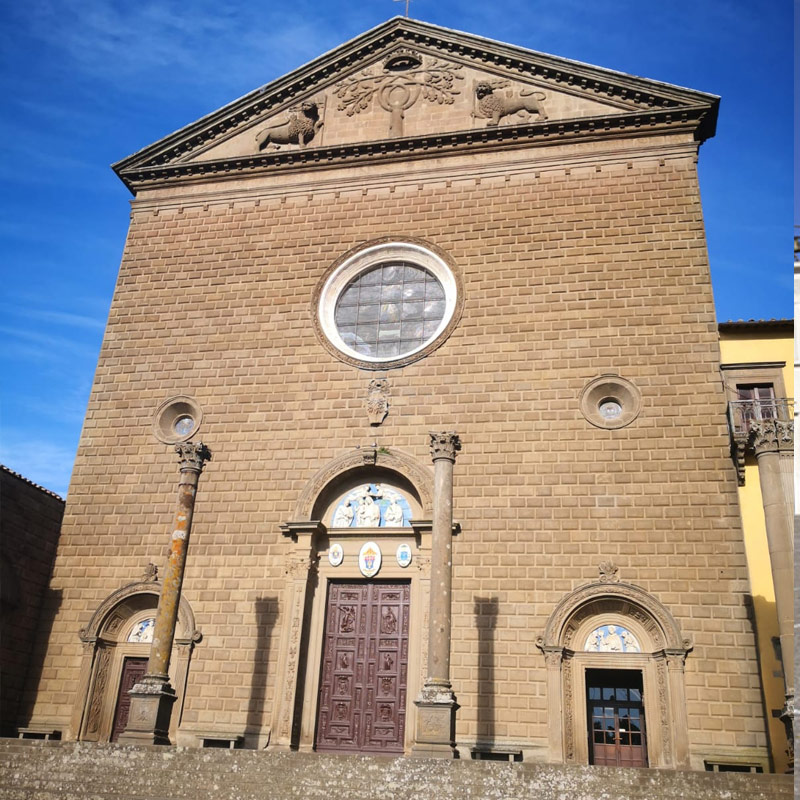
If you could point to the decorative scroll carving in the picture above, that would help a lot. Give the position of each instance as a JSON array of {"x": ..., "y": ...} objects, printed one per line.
[
  {"x": 493, "y": 106},
  {"x": 772, "y": 436},
  {"x": 377, "y": 400},
  {"x": 609, "y": 572},
  {"x": 397, "y": 91},
  {"x": 192, "y": 455},
  {"x": 739, "y": 453},
  {"x": 569, "y": 711},
  {"x": 663, "y": 707},
  {"x": 98, "y": 692},
  {"x": 301, "y": 127},
  {"x": 444, "y": 445}
]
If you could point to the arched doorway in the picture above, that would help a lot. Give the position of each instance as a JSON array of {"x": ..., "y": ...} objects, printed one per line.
[
  {"x": 358, "y": 574},
  {"x": 615, "y": 679},
  {"x": 116, "y": 646}
]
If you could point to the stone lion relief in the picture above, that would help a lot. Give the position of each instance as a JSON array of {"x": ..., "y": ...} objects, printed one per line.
[
  {"x": 301, "y": 127},
  {"x": 492, "y": 105}
]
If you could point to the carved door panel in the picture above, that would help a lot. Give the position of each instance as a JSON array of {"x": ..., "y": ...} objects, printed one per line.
[
  {"x": 362, "y": 694},
  {"x": 615, "y": 706},
  {"x": 133, "y": 669}
]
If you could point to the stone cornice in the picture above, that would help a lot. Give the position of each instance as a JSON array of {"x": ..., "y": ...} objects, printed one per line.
[
  {"x": 625, "y": 125},
  {"x": 650, "y": 102}
]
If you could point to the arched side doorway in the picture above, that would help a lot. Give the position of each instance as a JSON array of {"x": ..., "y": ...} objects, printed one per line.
[
  {"x": 116, "y": 646},
  {"x": 615, "y": 679},
  {"x": 354, "y": 640}
]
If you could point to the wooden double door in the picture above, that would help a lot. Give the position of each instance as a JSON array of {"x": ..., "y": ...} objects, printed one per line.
[
  {"x": 615, "y": 706},
  {"x": 362, "y": 693},
  {"x": 133, "y": 670}
]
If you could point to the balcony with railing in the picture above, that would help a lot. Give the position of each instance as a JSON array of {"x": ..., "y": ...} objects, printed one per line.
[{"x": 744, "y": 415}]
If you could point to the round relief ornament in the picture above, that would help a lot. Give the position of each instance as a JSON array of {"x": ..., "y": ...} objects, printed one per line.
[
  {"x": 369, "y": 559},
  {"x": 336, "y": 555},
  {"x": 404, "y": 555}
]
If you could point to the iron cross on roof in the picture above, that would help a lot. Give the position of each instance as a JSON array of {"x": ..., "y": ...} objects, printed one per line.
[{"x": 404, "y": 1}]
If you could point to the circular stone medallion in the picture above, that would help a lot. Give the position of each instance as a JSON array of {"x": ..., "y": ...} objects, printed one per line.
[
  {"x": 369, "y": 559},
  {"x": 404, "y": 555},
  {"x": 336, "y": 555}
]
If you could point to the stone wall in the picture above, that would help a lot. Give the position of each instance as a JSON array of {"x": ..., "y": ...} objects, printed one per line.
[
  {"x": 30, "y": 522},
  {"x": 575, "y": 262}
]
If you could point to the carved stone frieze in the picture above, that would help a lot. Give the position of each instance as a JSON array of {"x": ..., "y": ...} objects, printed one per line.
[
  {"x": 396, "y": 91},
  {"x": 444, "y": 445},
  {"x": 303, "y": 124},
  {"x": 377, "y": 400},
  {"x": 494, "y": 105},
  {"x": 663, "y": 707}
]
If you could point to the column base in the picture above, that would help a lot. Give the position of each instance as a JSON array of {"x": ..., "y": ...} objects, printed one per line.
[
  {"x": 436, "y": 722},
  {"x": 150, "y": 713}
]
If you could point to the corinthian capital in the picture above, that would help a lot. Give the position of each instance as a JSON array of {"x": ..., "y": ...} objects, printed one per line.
[
  {"x": 772, "y": 436},
  {"x": 192, "y": 455},
  {"x": 444, "y": 445}
]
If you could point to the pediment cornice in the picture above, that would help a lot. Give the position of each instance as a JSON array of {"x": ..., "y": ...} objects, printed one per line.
[{"x": 639, "y": 106}]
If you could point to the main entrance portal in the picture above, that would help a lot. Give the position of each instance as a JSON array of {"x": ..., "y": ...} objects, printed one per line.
[
  {"x": 616, "y": 718},
  {"x": 362, "y": 693}
]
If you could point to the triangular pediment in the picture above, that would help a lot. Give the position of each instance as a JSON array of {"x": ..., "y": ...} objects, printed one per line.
[{"x": 405, "y": 85}]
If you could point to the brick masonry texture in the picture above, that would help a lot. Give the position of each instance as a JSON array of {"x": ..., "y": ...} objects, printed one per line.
[{"x": 568, "y": 274}]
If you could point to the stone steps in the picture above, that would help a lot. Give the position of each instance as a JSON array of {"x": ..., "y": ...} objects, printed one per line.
[{"x": 37, "y": 770}]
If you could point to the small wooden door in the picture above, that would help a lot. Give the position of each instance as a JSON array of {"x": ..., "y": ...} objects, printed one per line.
[
  {"x": 362, "y": 693},
  {"x": 615, "y": 706},
  {"x": 133, "y": 669}
]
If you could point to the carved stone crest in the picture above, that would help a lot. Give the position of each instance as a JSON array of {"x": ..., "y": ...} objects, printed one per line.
[
  {"x": 609, "y": 572},
  {"x": 399, "y": 86},
  {"x": 377, "y": 400}
]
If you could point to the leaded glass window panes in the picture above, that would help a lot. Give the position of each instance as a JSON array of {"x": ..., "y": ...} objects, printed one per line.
[{"x": 390, "y": 310}]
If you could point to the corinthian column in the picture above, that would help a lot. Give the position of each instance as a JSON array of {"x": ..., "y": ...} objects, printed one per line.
[
  {"x": 152, "y": 698},
  {"x": 436, "y": 705},
  {"x": 773, "y": 443}
]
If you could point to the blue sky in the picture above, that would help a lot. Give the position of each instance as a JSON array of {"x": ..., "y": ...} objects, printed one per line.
[{"x": 87, "y": 83}]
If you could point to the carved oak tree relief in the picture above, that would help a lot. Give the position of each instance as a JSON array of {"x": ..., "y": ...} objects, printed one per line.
[{"x": 397, "y": 87}]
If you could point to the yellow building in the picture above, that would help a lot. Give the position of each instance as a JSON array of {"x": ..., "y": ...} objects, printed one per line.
[{"x": 756, "y": 362}]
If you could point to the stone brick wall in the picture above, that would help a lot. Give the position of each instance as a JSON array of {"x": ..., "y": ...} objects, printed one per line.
[
  {"x": 576, "y": 261},
  {"x": 30, "y": 522}
]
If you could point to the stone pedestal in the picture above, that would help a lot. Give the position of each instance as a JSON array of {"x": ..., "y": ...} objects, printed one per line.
[
  {"x": 151, "y": 710},
  {"x": 436, "y": 704}
]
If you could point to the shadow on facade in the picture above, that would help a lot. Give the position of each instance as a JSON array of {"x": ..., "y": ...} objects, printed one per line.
[
  {"x": 49, "y": 609},
  {"x": 266, "y": 615},
  {"x": 763, "y": 614},
  {"x": 486, "y": 621}
]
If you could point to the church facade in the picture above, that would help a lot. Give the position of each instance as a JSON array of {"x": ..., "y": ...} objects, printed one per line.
[{"x": 420, "y": 232}]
